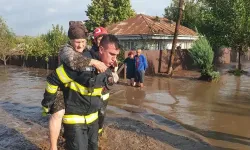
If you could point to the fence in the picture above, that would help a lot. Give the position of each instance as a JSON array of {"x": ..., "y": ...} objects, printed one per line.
[
  {"x": 157, "y": 61},
  {"x": 35, "y": 62}
]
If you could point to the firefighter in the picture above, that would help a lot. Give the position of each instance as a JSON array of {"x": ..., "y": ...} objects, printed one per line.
[
  {"x": 98, "y": 34},
  {"x": 83, "y": 96},
  {"x": 70, "y": 55}
]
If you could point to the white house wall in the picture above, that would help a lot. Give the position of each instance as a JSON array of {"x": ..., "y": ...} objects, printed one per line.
[{"x": 154, "y": 44}]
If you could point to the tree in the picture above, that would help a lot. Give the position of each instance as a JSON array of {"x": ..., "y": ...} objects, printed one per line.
[
  {"x": 106, "y": 12},
  {"x": 171, "y": 12},
  {"x": 197, "y": 16},
  {"x": 193, "y": 13},
  {"x": 7, "y": 42},
  {"x": 34, "y": 46},
  {"x": 203, "y": 55},
  {"x": 232, "y": 21},
  {"x": 45, "y": 45},
  {"x": 27, "y": 46},
  {"x": 55, "y": 38},
  {"x": 223, "y": 22}
]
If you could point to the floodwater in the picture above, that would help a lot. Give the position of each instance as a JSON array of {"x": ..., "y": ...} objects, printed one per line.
[{"x": 216, "y": 113}]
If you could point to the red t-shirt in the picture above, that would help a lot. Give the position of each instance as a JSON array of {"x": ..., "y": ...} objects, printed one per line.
[{"x": 137, "y": 62}]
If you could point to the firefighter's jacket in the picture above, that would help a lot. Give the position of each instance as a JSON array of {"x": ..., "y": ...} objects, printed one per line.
[{"x": 82, "y": 90}]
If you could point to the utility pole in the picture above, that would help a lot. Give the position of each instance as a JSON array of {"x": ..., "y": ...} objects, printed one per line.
[{"x": 172, "y": 55}]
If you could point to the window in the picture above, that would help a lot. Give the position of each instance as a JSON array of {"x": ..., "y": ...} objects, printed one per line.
[
  {"x": 127, "y": 45},
  {"x": 132, "y": 45}
]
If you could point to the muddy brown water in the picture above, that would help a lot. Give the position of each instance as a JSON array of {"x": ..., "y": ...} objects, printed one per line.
[{"x": 217, "y": 114}]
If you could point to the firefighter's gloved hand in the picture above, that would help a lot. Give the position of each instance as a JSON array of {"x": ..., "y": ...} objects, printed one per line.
[{"x": 45, "y": 111}]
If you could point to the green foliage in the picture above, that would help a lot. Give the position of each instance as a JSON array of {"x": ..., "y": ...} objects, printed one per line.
[
  {"x": 223, "y": 22},
  {"x": 8, "y": 42},
  {"x": 230, "y": 21},
  {"x": 171, "y": 12},
  {"x": 202, "y": 54},
  {"x": 106, "y": 12},
  {"x": 193, "y": 14},
  {"x": 27, "y": 46},
  {"x": 121, "y": 55},
  {"x": 210, "y": 75},
  {"x": 238, "y": 72},
  {"x": 36, "y": 47},
  {"x": 39, "y": 47},
  {"x": 45, "y": 45},
  {"x": 55, "y": 38}
]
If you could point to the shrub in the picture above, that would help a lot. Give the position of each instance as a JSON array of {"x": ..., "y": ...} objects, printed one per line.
[
  {"x": 203, "y": 55},
  {"x": 238, "y": 72}
]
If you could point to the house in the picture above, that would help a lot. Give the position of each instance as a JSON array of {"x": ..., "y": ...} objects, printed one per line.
[{"x": 151, "y": 33}]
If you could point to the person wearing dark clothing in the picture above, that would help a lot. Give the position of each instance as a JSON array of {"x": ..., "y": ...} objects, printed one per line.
[
  {"x": 98, "y": 33},
  {"x": 130, "y": 68},
  {"x": 83, "y": 96},
  {"x": 140, "y": 67},
  {"x": 71, "y": 55}
]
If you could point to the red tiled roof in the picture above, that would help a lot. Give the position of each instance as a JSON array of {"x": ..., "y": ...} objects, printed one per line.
[{"x": 147, "y": 25}]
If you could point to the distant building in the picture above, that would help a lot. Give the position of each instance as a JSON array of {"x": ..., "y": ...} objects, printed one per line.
[{"x": 151, "y": 33}]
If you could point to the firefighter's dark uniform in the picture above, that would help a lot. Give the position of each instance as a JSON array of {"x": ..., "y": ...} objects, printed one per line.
[
  {"x": 83, "y": 97},
  {"x": 94, "y": 51}
]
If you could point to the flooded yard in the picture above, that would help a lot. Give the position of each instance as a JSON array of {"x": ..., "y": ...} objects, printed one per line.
[{"x": 170, "y": 113}]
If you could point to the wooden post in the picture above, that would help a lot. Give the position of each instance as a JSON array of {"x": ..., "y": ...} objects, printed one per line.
[
  {"x": 171, "y": 59},
  {"x": 239, "y": 58},
  {"x": 160, "y": 59}
]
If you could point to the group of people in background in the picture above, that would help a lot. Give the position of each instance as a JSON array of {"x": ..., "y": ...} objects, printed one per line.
[{"x": 136, "y": 65}]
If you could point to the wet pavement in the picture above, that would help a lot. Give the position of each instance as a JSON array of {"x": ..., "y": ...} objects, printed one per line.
[{"x": 215, "y": 114}]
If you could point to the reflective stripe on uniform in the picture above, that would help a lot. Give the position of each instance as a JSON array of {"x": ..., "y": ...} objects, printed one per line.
[
  {"x": 75, "y": 119},
  {"x": 105, "y": 96},
  {"x": 51, "y": 88},
  {"x": 63, "y": 75},
  {"x": 100, "y": 130},
  {"x": 45, "y": 109},
  {"x": 84, "y": 90}
]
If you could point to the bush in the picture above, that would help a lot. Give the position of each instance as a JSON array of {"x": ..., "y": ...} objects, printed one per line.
[
  {"x": 203, "y": 55},
  {"x": 120, "y": 56},
  {"x": 238, "y": 72}
]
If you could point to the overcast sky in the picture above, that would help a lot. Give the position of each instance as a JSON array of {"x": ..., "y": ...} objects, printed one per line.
[{"x": 34, "y": 17}]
